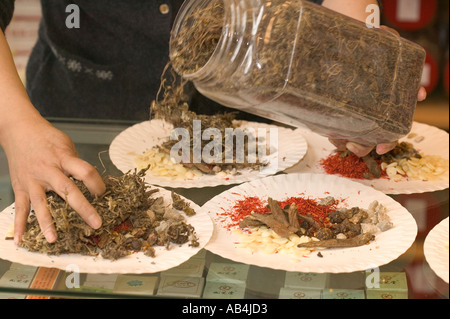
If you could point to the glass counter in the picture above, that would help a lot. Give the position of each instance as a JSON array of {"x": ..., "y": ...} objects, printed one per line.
[{"x": 407, "y": 277}]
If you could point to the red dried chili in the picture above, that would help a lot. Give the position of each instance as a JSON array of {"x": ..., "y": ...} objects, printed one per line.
[{"x": 350, "y": 166}]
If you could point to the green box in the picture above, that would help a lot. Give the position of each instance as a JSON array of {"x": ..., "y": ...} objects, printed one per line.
[
  {"x": 383, "y": 294},
  {"x": 228, "y": 273},
  {"x": 224, "y": 290},
  {"x": 299, "y": 293},
  {"x": 136, "y": 284},
  {"x": 387, "y": 281},
  {"x": 193, "y": 267},
  {"x": 343, "y": 294},
  {"x": 305, "y": 280},
  {"x": 180, "y": 286}
]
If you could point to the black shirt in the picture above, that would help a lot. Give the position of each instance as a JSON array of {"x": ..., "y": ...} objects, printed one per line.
[{"x": 110, "y": 67}]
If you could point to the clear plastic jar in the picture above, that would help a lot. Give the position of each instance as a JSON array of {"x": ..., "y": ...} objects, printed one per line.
[{"x": 299, "y": 63}]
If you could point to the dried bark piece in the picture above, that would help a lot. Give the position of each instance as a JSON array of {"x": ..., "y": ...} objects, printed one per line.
[
  {"x": 277, "y": 226},
  {"x": 277, "y": 212},
  {"x": 372, "y": 165},
  {"x": 293, "y": 217},
  {"x": 356, "y": 241}
]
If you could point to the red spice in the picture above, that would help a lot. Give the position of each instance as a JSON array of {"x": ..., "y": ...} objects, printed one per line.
[
  {"x": 244, "y": 208},
  {"x": 122, "y": 227},
  {"x": 350, "y": 166},
  {"x": 306, "y": 206},
  {"x": 311, "y": 207}
]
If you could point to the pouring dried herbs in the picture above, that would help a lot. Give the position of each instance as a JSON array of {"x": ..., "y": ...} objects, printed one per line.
[
  {"x": 301, "y": 64},
  {"x": 173, "y": 108},
  {"x": 135, "y": 219}
]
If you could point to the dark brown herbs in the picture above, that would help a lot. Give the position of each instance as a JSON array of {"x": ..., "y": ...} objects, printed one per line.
[{"x": 134, "y": 219}]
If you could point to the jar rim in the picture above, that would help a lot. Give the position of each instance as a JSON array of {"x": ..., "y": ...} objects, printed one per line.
[{"x": 187, "y": 8}]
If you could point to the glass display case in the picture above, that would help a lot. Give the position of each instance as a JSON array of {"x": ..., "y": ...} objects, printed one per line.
[{"x": 208, "y": 275}]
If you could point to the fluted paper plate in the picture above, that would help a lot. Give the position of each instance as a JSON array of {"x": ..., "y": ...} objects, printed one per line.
[
  {"x": 436, "y": 142},
  {"x": 436, "y": 249},
  {"x": 143, "y": 136},
  {"x": 135, "y": 263},
  {"x": 386, "y": 247}
]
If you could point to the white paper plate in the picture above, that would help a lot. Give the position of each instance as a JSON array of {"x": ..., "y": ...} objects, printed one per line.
[
  {"x": 139, "y": 138},
  {"x": 436, "y": 249},
  {"x": 135, "y": 263},
  {"x": 386, "y": 247},
  {"x": 436, "y": 142}
]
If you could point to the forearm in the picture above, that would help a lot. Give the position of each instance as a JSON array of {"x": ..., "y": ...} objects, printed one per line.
[
  {"x": 15, "y": 106},
  {"x": 352, "y": 8}
]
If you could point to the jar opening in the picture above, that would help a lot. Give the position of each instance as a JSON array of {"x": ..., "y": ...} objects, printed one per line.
[{"x": 196, "y": 34}]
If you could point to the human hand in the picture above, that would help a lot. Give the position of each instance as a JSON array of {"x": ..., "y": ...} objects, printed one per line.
[
  {"x": 361, "y": 150},
  {"x": 41, "y": 159}
]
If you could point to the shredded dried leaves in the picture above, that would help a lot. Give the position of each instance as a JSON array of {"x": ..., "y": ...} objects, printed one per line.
[{"x": 135, "y": 219}]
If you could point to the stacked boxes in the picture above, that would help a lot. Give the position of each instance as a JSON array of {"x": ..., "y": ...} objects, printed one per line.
[
  {"x": 185, "y": 280},
  {"x": 300, "y": 285},
  {"x": 226, "y": 281},
  {"x": 18, "y": 276},
  {"x": 391, "y": 285}
]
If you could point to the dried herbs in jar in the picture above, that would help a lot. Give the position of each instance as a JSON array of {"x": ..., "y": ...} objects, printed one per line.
[{"x": 301, "y": 64}]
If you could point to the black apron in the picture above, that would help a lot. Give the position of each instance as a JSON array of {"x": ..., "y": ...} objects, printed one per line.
[{"x": 108, "y": 68}]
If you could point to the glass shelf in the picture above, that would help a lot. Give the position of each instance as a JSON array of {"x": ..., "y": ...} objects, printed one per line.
[{"x": 413, "y": 277}]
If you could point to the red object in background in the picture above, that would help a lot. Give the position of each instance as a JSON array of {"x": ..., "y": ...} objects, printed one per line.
[
  {"x": 430, "y": 75},
  {"x": 446, "y": 78},
  {"x": 409, "y": 15}
]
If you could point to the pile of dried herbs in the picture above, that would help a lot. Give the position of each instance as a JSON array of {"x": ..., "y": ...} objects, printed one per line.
[
  {"x": 318, "y": 67},
  {"x": 174, "y": 108},
  {"x": 134, "y": 219}
]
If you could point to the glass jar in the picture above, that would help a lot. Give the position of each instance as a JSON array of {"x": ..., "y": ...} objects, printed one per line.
[{"x": 299, "y": 63}]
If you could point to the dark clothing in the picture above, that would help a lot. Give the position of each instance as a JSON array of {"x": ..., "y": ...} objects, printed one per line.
[
  {"x": 110, "y": 67},
  {"x": 6, "y": 13}
]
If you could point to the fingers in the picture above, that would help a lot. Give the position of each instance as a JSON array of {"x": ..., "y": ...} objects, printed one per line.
[
  {"x": 386, "y": 147},
  {"x": 67, "y": 190},
  {"x": 39, "y": 202},
  {"x": 422, "y": 95},
  {"x": 358, "y": 150},
  {"x": 22, "y": 209},
  {"x": 86, "y": 173}
]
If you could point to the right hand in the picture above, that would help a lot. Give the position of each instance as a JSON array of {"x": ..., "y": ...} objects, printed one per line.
[{"x": 41, "y": 158}]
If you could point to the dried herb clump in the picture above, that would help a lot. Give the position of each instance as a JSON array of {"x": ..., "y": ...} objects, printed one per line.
[
  {"x": 173, "y": 108},
  {"x": 134, "y": 219}
]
